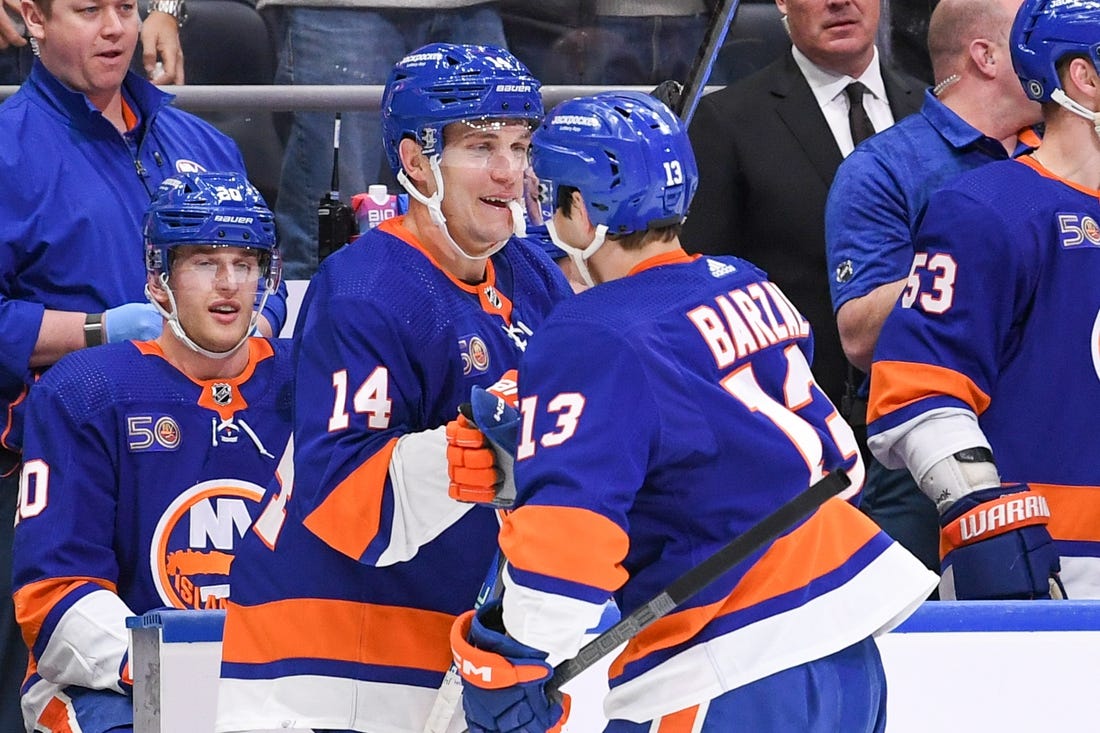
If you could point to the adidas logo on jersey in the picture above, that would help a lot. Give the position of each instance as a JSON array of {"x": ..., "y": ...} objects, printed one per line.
[{"x": 720, "y": 269}]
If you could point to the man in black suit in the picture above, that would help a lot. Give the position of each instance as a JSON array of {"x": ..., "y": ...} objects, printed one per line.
[{"x": 768, "y": 147}]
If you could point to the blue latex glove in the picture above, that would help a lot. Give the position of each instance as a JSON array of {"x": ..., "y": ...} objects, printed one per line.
[
  {"x": 503, "y": 681},
  {"x": 131, "y": 321},
  {"x": 997, "y": 546}
]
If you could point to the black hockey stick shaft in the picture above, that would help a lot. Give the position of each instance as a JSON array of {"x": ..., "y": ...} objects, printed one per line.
[
  {"x": 701, "y": 67},
  {"x": 699, "y": 577}
]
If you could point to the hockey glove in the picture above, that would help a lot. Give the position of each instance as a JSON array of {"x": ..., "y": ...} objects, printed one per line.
[
  {"x": 995, "y": 546},
  {"x": 481, "y": 445},
  {"x": 503, "y": 681},
  {"x": 136, "y": 321},
  {"x": 670, "y": 92}
]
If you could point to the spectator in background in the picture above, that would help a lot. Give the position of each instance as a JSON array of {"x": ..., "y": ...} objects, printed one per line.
[
  {"x": 985, "y": 382},
  {"x": 85, "y": 145},
  {"x": 159, "y": 41},
  {"x": 128, "y": 444},
  {"x": 631, "y": 43},
  {"x": 768, "y": 147},
  {"x": 977, "y": 113},
  {"x": 353, "y": 43},
  {"x": 535, "y": 29},
  {"x": 904, "y": 36},
  {"x": 609, "y": 42}
]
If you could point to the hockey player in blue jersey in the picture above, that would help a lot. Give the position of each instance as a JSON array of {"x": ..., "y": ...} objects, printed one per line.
[
  {"x": 144, "y": 461},
  {"x": 345, "y": 593},
  {"x": 664, "y": 411},
  {"x": 986, "y": 379}
]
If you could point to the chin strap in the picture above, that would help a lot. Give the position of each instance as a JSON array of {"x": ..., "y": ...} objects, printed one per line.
[
  {"x": 434, "y": 203},
  {"x": 579, "y": 257},
  {"x": 174, "y": 321},
  {"x": 1059, "y": 96}
]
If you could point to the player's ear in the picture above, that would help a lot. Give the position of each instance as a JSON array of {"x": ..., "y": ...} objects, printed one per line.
[
  {"x": 579, "y": 212},
  {"x": 156, "y": 290},
  {"x": 415, "y": 163},
  {"x": 1082, "y": 74}
]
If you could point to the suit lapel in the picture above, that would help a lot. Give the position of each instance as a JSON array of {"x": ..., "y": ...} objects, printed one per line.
[
  {"x": 798, "y": 109},
  {"x": 903, "y": 97}
]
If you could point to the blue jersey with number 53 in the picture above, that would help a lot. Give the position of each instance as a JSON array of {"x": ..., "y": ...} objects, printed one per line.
[{"x": 1001, "y": 318}]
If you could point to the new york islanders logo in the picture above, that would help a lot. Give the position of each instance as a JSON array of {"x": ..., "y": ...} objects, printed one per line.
[{"x": 194, "y": 541}]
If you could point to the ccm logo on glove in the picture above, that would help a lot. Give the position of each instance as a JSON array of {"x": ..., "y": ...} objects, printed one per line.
[{"x": 492, "y": 674}]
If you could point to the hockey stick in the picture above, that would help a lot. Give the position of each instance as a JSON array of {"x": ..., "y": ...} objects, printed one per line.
[
  {"x": 449, "y": 695},
  {"x": 700, "y": 576},
  {"x": 701, "y": 67}
]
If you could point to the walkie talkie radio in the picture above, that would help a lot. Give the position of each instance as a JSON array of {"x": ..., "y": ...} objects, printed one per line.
[{"x": 336, "y": 223}]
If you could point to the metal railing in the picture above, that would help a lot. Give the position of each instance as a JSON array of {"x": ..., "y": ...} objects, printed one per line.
[{"x": 275, "y": 97}]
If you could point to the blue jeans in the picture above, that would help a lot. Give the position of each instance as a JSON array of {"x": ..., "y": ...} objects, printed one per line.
[
  {"x": 650, "y": 49},
  {"x": 13, "y": 652},
  {"x": 616, "y": 50},
  {"x": 350, "y": 46}
]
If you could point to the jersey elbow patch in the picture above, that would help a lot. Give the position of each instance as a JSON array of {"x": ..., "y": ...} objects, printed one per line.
[
  {"x": 897, "y": 384},
  {"x": 572, "y": 544},
  {"x": 348, "y": 519},
  {"x": 40, "y": 605}
]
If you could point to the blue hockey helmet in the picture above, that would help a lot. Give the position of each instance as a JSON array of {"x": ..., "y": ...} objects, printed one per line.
[
  {"x": 205, "y": 208},
  {"x": 443, "y": 83},
  {"x": 626, "y": 152},
  {"x": 1044, "y": 32}
]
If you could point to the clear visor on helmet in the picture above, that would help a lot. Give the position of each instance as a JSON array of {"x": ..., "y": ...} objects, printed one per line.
[
  {"x": 500, "y": 145},
  {"x": 222, "y": 265}
]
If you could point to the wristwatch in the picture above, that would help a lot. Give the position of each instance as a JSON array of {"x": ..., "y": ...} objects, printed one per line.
[
  {"x": 93, "y": 329},
  {"x": 176, "y": 8}
]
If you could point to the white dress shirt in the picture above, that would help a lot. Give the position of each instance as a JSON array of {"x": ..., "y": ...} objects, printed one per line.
[{"x": 828, "y": 89}]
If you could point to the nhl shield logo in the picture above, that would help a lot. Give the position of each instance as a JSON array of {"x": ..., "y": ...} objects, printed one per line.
[
  {"x": 222, "y": 393},
  {"x": 493, "y": 298}
]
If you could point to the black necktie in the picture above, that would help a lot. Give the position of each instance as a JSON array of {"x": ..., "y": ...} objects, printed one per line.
[{"x": 858, "y": 121}]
